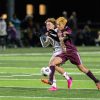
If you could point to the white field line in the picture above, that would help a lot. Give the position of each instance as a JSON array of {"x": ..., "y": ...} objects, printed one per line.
[
  {"x": 46, "y": 87},
  {"x": 36, "y": 80},
  {"x": 27, "y": 67},
  {"x": 65, "y": 67},
  {"x": 26, "y": 54},
  {"x": 27, "y": 74},
  {"x": 30, "y": 97},
  {"x": 39, "y": 54},
  {"x": 42, "y": 66}
]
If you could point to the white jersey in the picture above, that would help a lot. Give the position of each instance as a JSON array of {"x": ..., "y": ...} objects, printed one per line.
[{"x": 47, "y": 40}]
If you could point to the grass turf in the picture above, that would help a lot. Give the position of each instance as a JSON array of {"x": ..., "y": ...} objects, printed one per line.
[{"x": 20, "y": 75}]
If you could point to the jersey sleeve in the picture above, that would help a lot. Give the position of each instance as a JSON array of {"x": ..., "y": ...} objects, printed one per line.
[
  {"x": 68, "y": 30},
  {"x": 44, "y": 41}
]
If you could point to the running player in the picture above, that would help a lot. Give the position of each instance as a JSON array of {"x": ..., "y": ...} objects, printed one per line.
[
  {"x": 70, "y": 53},
  {"x": 52, "y": 38}
]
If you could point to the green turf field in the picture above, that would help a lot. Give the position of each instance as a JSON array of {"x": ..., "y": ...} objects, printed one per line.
[{"x": 20, "y": 77}]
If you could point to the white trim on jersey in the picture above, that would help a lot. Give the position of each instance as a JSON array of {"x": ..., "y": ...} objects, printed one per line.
[
  {"x": 44, "y": 41},
  {"x": 79, "y": 57},
  {"x": 47, "y": 40}
]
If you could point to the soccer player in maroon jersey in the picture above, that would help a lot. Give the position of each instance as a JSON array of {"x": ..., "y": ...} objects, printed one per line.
[
  {"x": 70, "y": 53},
  {"x": 52, "y": 38}
]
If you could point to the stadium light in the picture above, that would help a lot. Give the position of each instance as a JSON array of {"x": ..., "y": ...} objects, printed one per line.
[
  {"x": 42, "y": 9},
  {"x": 29, "y": 9}
]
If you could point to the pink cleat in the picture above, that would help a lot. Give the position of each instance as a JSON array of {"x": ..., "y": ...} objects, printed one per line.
[
  {"x": 69, "y": 83},
  {"x": 53, "y": 88}
]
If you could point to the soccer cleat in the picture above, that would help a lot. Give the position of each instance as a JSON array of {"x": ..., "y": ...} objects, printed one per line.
[
  {"x": 69, "y": 83},
  {"x": 46, "y": 81},
  {"x": 53, "y": 88},
  {"x": 98, "y": 85}
]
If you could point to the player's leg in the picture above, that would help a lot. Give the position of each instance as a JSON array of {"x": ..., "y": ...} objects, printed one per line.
[
  {"x": 77, "y": 61},
  {"x": 54, "y": 85},
  {"x": 89, "y": 74},
  {"x": 65, "y": 75},
  {"x": 56, "y": 61}
]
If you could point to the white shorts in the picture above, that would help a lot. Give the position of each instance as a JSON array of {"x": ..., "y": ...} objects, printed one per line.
[{"x": 56, "y": 53}]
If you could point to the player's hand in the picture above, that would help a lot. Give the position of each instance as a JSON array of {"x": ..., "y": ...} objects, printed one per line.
[{"x": 65, "y": 33}]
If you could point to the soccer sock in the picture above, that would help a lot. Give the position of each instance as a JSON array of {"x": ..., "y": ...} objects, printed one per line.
[
  {"x": 90, "y": 74},
  {"x": 54, "y": 83},
  {"x": 52, "y": 73},
  {"x": 66, "y": 76}
]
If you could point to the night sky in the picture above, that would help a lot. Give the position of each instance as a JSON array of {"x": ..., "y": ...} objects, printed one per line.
[{"x": 85, "y": 9}]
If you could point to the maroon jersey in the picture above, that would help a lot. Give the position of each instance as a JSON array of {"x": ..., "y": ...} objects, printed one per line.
[
  {"x": 71, "y": 51},
  {"x": 68, "y": 42}
]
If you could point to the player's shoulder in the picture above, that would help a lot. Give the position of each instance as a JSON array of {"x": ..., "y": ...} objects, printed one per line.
[
  {"x": 52, "y": 32},
  {"x": 56, "y": 29}
]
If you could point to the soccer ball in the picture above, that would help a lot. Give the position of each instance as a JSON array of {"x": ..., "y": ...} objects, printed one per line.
[{"x": 45, "y": 71}]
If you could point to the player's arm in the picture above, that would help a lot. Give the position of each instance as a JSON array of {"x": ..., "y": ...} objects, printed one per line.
[
  {"x": 62, "y": 44},
  {"x": 67, "y": 31},
  {"x": 61, "y": 39},
  {"x": 44, "y": 40}
]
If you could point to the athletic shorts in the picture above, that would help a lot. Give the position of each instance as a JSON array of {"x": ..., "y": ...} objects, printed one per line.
[{"x": 73, "y": 57}]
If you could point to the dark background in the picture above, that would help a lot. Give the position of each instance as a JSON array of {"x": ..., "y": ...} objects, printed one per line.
[{"x": 85, "y": 9}]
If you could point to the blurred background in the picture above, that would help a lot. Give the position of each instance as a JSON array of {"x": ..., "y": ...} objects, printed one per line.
[
  {"x": 22, "y": 56},
  {"x": 22, "y": 21}
]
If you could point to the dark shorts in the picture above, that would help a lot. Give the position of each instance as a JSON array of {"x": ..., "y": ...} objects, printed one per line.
[{"x": 73, "y": 57}]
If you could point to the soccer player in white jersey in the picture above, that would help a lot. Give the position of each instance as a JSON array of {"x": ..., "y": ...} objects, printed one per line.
[{"x": 52, "y": 38}]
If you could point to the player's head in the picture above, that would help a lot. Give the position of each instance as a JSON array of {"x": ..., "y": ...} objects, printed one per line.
[
  {"x": 61, "y": 23},
  {"x": 50, "y": 23}
]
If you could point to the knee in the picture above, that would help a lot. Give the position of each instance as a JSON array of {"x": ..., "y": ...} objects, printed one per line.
[{"x": 52, "y": 64}]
